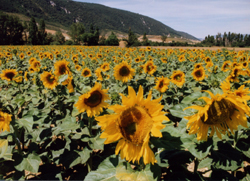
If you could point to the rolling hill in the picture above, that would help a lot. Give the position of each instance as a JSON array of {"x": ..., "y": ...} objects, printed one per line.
[{"x": 62, "y": 13}]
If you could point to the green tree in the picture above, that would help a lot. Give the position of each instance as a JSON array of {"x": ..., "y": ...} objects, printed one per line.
[
  {"x": 11, "y": 30},
  {"x": 42, "y": 33},
  {"x": 132, "y": 39},
  {"x": 33, "y": 31},
  {"x": 163, "y": 38},
  {"x": 112, "y": 40},
  {"x": 59, "y": 38},
  {"x": 76, "y": 31},
  {"x": 145, "y": 40},
  {"x": 25, "y": 31}
]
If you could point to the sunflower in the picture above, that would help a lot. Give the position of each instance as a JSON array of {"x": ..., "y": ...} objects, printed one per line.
[
  {"x": 86, "y": 72},
  {"x": 105, "y": 67},
  {"x": 197, "y": 65},
  {"x": 242, "y": 93},
  {"x": 98, "y": 73},
  {"x": 178, "y": 78},
  {"x": 93, "y": 101},
  {"x": 199, "y": 74},
  {"x": 61, "y": 68},
  {"x": 221, "y": 113},
  {"x": 181, "y": 58},
  {"x": 18, "y": 79},
  {"x": 36, "y": 65},
  {"x": 150, "y": 68},
  {"x": 21, "y": 56},
  {"x": 132, "y": 124},
  {"x": 49, "y": 80},
  {"x": 8, "y": 74},
  {"x": 226, "y": 66},
  {"x": 78, "y": 67},
  {"x": 162, "y": 84},
  {"x": 164, "y": 60},
  {"x": 5, "y": 119},
  {"x": 123, "y": 72},
  {"x": 31, "y": 60}
]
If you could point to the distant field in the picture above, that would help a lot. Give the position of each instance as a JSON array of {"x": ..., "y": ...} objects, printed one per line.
[{"x": 207, "y": 48}]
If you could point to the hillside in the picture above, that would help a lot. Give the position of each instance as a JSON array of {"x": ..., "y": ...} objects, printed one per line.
[{"x": 62, "y": 13}]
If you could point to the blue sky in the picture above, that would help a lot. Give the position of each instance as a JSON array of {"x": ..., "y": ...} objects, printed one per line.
[{"x": 196, "y": 17}]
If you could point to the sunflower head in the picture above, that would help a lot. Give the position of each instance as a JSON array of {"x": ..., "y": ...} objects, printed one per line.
[
  {"x": 61, "y": 68},
  {"x": 150, "y": 68},
  {"x": 8, "y": 74},
  {"x": 132, "y": 124},
  {"x": 123, "y": 72},
  {"x": 178, "y": 78},
  {"x": 86, "y": 72},
  {"x": 221, "y": 113},
  {"x": 49, "y": 80},
  {"x": 162, "y": 84},
  {"x": 198, "y": 74},
  {"x": 93, "y": 101}
]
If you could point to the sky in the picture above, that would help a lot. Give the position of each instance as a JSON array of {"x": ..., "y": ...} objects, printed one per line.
[{"x": 199, "y": 18}]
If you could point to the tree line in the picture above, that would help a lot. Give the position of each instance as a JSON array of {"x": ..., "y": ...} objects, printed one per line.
[
  {"x": 227, "y": 39},
  {"x": 14, "y": 32}
]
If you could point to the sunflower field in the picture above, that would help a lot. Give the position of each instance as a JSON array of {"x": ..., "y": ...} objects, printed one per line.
[{"x": 111, "y": 113}]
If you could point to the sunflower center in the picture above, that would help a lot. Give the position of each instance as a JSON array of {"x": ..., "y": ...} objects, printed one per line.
[
  {"x": 50, "y": 78},
  {"x": 85, "y": 73},
  {"x": 124, "y": 71},
  {"x": 219, "y": 112},
  {"x": 94, "y": 99},
  {"x": 177, "y": 77},
  {"x": 149, "y": 67},
  {"x": 161, "y": 84},
  {"x": 10, "y": 75},
  {"x": 135, "y": 124},
  {"x": 62, "y": 69},
  {"x": 198, "y": 73}
]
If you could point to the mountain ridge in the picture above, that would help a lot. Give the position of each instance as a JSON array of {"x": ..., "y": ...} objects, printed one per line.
[{"x": 66, "y": 12}]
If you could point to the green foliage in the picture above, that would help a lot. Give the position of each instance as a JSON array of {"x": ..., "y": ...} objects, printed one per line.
[
  {"x": 33, "y": 30},
  {"x": 11, "y": 30},
  {"x": 65, "y": 12},
  {"x": 112, "y": 40}
]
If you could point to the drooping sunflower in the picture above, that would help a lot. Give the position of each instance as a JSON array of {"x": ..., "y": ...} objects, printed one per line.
[
  {"x": 98, "y": 73},
  {"x": 49, "y": 80},
  {"x": 93, "y": 101},
  {"x": 61, "y": 68},
  {"x": 221, "y": 113},
  {"x": 199, "y": 74},
  {"x": 162, "y": 84},
  {"x": 123, "y": 72},
  {"x": 5, "y": 120},
  {"x": 132, "y": 124},
  {"x": 178, "y": 78},
  {"x": 86, "y": 72},
  {"x": 8, "y": 74},
  {"x": 226, "y": 66},
  {"x": 150, "y": 68}
]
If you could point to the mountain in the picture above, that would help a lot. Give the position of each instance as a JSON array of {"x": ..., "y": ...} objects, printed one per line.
[{"x": 62, "y": 13}]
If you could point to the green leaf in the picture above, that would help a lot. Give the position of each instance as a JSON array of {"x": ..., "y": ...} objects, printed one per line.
[
  {"x": 106, "y": 170},
  {"x": 62, "y": 78},
  {"x": 226, "y": 157},
  {"x": 96, "y": 143},
  {"x": 246, "y": 178},
  {"x": 205, "y": 163},
  {"x": 201, "y": 150},
  {"x": 178, "y": 111},
  {"x": 243, "y": 145},
  {"x": 191, "y": 98},
  {"x": 26, "y": 122},
  {"x": 31, "y": 163}
]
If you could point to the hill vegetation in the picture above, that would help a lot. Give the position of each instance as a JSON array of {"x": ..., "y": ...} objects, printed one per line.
[{"x": 65, "y": 12}]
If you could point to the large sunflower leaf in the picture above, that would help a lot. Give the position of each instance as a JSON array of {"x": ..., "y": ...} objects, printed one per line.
[
  {"x": 106, "y": 170},
  {"x": 29, "y": 163},
  {"x": 226, "y": 157},
  {"x": 178, "y": 111}
]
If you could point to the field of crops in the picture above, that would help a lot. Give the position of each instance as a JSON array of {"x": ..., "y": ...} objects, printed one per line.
[{"x": 110, "y": 113}]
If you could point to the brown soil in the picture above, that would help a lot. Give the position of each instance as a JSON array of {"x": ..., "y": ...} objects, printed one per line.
[{"x": 207, "y": 48}]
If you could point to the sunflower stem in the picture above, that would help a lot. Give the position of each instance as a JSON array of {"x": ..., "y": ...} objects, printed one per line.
[
  {"x": 235, "y": 139},
  {"x": 90, "y": 125}
]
